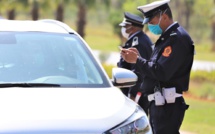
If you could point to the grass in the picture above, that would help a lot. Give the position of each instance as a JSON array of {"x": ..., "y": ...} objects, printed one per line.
[
  {"x": 204, "y": 52},
  {"x": 199, "y": 117},
  {"x": 101, "y": 37},
  {"x": 202, "y": 84},
  {"x": 205, "y": 90}
]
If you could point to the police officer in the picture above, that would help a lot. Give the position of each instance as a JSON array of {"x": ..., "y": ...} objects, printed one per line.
[
  {"x": 167, "y": 71},
  {"x": 132, "y": 30}
]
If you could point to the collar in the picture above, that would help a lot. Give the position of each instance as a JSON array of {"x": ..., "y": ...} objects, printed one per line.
[
  {"x": 170, "y": 26},
  {"x": 133, "y": 35},
  {"x": 170, "y": 30}
]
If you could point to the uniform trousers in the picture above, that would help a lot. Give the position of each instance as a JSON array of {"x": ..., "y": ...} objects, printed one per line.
[
  {"x": 144, "y": 103},
  {"x": 168, "y": 118}
]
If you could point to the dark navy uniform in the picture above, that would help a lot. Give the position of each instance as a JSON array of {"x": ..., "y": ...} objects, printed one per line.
[
  {"x": 170, "y": 65},
  {"x": 168, "y": 68},
  {"x": 143, "y": 44},
  {"x": 171, "y": 60}
]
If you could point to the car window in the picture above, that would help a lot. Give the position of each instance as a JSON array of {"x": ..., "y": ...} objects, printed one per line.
[{"x": 35, "y": 57}]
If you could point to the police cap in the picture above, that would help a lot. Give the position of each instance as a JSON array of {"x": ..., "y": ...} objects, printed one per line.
[
  {"x": 152, "y": 9},
  {"x": 132, "y": 19}
]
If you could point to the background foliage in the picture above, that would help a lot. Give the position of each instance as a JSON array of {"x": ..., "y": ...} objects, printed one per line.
[
  {"x": 97, "y": 21},
  {"x": 197, "y": 16}
]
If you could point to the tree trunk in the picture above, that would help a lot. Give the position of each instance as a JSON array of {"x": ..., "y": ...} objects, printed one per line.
[
  {"x": 35, "y": 11},
  {"x": 60, "y": 12},
  {"x": 11, "y": 14},
  {"x": 213, "y": 35},
  {"x": 179, "y": 11},
  {"x": 81, "y": 18},
  {"x": 188, "y": 12},
  {"x": 187, "y": 18},
  {"x": 213, "y": 30}
]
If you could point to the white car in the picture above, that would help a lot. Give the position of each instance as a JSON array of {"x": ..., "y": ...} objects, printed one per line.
[{"x": 50, "y": 82}]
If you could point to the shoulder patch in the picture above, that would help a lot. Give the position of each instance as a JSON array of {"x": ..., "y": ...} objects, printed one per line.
[
  {"x": 167, "y": 51},
  {"x": 135, "y": 41}
]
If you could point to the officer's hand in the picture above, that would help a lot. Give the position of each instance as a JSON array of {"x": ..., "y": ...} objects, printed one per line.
[
  {"x": 135, "y": 50},
  {"x": 129, "y": 55}
]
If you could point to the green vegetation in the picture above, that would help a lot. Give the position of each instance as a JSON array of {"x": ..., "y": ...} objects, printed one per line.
[
  {"x": 101, "y": 33},
  {"x": 202, "y": 84},
  {"x": 204, "y": 90},
  {"x": 199, "y": 118},
  {"x": 204, "y": 52},
  {"x": 203, "y": 76},
  {"x": 108, "y": 69},
  {"x": 102, "y": 38}
]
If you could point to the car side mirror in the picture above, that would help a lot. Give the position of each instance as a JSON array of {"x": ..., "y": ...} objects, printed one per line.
[{"x": 123, "y": 77}]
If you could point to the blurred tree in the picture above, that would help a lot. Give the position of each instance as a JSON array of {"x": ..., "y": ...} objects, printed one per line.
[
  {"x": 82, "y": 13},
  {"x": 201, "y": 21},
  {"x": 11, "y": 7},
  {"x": 116, "y": 16},
  {"x": 131, "y": 6},
  {"x": 213, "y": 26},
  {"x": 11, "y": 14},
  {"x": 60, "y": 11},
  {"x": 35, "y": 10},
  {"x": 192, "y": 14},
  {"x": 60, "y": 8},
  {"x": 188, "y": 4},
  {"x": 177, "y": 10},
  {"x": 102, "y": 10},
  {"x": 81, "y": 22},
  {"x": 47, "y": 6},
  {"x": 117, "y": 13},
  {"x": 55, "y": 7}
]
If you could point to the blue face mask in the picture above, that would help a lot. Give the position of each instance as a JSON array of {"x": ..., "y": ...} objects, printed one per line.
[{"x": 155, "y": 29}]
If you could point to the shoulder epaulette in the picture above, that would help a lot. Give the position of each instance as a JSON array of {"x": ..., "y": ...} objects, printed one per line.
[{"x": 173, "y": 34}]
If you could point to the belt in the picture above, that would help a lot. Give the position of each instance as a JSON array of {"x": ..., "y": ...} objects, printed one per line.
[
  {"x": 151, "y": 97},
  {"x": 169, "y": 94}
]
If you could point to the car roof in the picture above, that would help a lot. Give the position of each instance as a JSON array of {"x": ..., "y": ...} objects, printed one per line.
[{"x": 45, "y": 25}]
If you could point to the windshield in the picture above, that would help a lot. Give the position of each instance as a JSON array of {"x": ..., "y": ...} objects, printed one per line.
[{"x": 33, "y": 57}]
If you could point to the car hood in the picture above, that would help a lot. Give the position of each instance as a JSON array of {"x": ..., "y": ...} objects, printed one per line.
[{"x": 85, "y": 110}]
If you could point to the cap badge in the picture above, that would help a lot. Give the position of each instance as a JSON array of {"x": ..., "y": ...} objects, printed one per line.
[{"x": 167, "y": 51}]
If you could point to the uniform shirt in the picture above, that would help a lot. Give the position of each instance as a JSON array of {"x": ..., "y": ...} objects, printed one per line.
[
  {"x": 171, "y": 61},
  {"x": 143, "y": 44}
]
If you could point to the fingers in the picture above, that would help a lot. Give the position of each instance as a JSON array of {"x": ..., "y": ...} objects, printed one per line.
[
  {"x": 129, "y": 56},
  {"x": 123, "y": 51},
  {"x": 134, "y": 50}
]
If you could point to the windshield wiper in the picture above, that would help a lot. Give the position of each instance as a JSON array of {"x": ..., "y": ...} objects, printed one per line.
[{"x": 28, "y": 85}]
